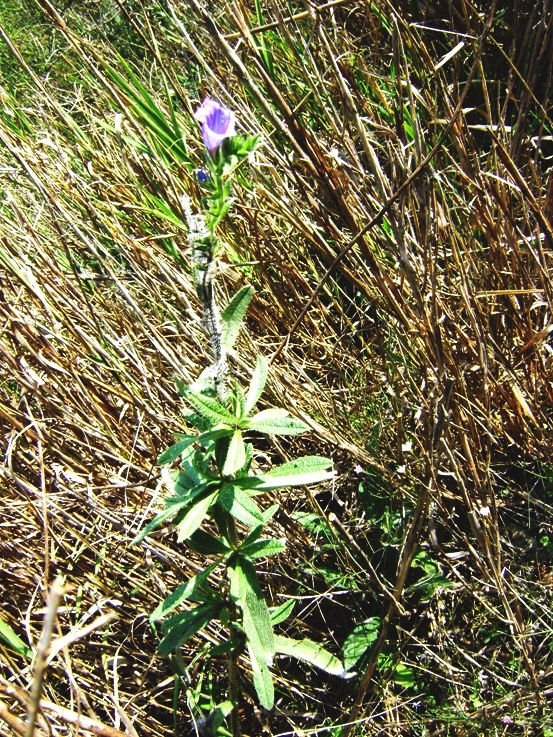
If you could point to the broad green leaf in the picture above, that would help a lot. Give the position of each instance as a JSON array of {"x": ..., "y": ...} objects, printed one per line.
[
  {"x": 433, "y": 581},
  {"x": 195, "y": 589},
  {"x": 181, "y": 627},
  {"x": 404, "y": 675},
  {"x": 311, "y": 652},
  {"x": 233, "y": 315},
  {"x": 263, "y": 548},
  {"x": 236, "y": 454},
  {"x": 257, "y": 384},
  {"x": 281, "y": 613},
  {"x": 304, "y": 470},
  {"x": 262, "y": 680},
  {"x": 211, "y": 409},
  {"x": 256, "y": 619},
  {"x": 240, "y": 505},
  {"x": 275, "y": 425},
  {"x": 362, "y": 637},
  {"x": 400, "y": 672},
  {"x": 14, "y": 641},
  {"x": 194, "y": 517}
]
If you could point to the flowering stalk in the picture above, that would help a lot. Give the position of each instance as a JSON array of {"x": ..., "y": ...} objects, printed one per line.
[{"x": 214, "y": 481}]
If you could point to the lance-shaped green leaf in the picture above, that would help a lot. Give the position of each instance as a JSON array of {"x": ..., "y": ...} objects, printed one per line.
[
  {"x": 186, "y": 485},
  {"x": 313, "y": 653},
  {"x": 211, "y": 409},
  {"x": 206, "y": 544},
  {"x": 304, "y": 470},
  {"x": 233, "y": 314},
  {"x": 195, "y": 516},
  {"x": 171, "y": 511},
  {"x": 175, "y": 451},
  {"x": 236, "y": 454},
  {"x": 219, "y": 714},
  {"x": 262, "y": 680},
  {"x": 181, "y": 627},
  {"x": 256, "y": 619},
  {"x": 281, "y": 613},
  {"x": 276, "y": 421},
  {"x": 14, "y": 641},
  {"x": 263, "y": 548},
  {"x": 195, "y": 589},
  {"x": 186, "y": 494},
  {"x": 257, "y": 384},
  {"x": 240, "y": 505}
]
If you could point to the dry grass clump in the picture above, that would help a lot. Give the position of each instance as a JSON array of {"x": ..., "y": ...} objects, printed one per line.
[{"x": 399, "y": 234}]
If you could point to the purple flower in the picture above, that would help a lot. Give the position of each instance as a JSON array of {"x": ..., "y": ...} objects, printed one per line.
[
  {"x": 203, "y": 175},
  {"x": 218, "y": 123}
]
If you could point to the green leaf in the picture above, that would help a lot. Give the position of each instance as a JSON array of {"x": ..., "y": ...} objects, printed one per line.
[
  {"x": 211, "y": 409},
  {"x": 240, "y": 505},
  {"x": 401, "y": 673},
  {"x": 263, "y": 548},
  {"x": 14, "y": 641},
  {"x": 262, "y": 680},
  {"x": 233, "y": 315},
  {"x": 312, "y": 653},
  {"x": 433, "y": 581},
  {"x": 304, "y": 470},
  {"x": 195, "y": 516},
  {"x": 257, "y": 384},
  {"x": 362, "y": 637},
  {"x": 161, "y": 517},
  {"x": 314, "y": 524},
  {"x": 181, "y": 627},
  {"x": 219, "y": 714},
  {"x": 257, "y": 625},
  {"x": 256, "y": 619},
  {"x": 271, "y": 423},
  {"x": 175, "y": 451},
  {"x": 195, "y": 589},
  {"x": 184, "y": 486},
  {"x": 236, "y": 454},
  {"x": 281, "y": 613},
  {"x": 303, "y": 466},
  {"x": 404, "y": 675},
  {"x": 206, "y": 544}
]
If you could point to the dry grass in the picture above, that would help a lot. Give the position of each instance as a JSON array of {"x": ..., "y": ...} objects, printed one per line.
[{"x": 399, "y": 234}]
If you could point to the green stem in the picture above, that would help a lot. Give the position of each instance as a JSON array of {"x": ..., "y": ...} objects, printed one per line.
[
  {"x": 233, "y": 667},
  {"x": 234, "y": 685}
]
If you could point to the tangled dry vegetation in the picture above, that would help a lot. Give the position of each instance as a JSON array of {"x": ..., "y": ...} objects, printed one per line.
[{"x": 399, "y": 234}]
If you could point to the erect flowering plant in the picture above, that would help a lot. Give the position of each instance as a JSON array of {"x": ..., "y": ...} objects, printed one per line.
[{"x": 217, "y": 491}]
